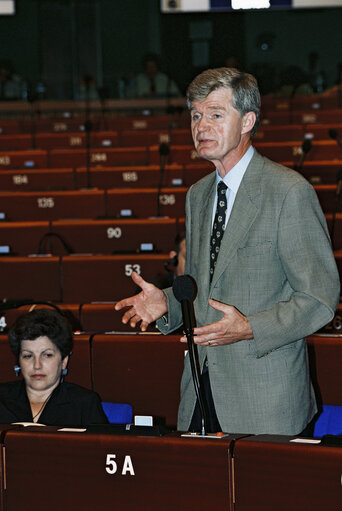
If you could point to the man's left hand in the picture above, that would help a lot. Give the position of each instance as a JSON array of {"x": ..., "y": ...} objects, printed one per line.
[{"x": 233, "y": 327}]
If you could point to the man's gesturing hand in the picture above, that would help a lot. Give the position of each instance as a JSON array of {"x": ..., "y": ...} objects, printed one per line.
[
  {"x": 147, "y": 306},
  {"x": 232, "y": 327}
]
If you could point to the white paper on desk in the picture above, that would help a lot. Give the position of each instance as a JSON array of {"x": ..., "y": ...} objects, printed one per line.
[
  {"x": 73, "y": 430},
  {"x": 306, "y": 440},
  {"x": 28, "y": 424}
]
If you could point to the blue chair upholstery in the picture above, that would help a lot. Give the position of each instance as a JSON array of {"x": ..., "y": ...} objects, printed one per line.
[
  {"x": 329, "y": 422},
  {"x": 118, "y": 413}
]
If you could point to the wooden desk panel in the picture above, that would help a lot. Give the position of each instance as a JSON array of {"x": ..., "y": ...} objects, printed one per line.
[
  {"x": 141, "y": 369},
  {"x": 23, "y": 237},
  {"x": 292, "y": 151},
  {"x": 15, "y": 142},
  {"x": 102, "y": 156},
  {"x": 114, "y": 236},
  {"x": 3, "y": 429},
  {"x": 285, "y": 133},
  {"x": 129, "y": 176},
  {"x": 323, "y": 172},
  {"x": 32, "y": 278},
  {"x": 24, "y": 159},
  {"x": 143, "y": 202},
  {"x": 88, "y": 279},
  {"x": 101, "y": 317},
  {"x": 180, "y": 154},
  {"x": 167, "y": 473},
  {"x": 272, "y": 474},
  {"x": 52, "y": 205},
  {"x": 37, "y": 179},
  {"x": 317, "y": 116}
]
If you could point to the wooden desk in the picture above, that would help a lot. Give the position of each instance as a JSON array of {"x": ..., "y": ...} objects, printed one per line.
[
  {"x": 48, "y": 469},
  {"x": 3, "y": 429},
  {"x": 273, "y": 474}
]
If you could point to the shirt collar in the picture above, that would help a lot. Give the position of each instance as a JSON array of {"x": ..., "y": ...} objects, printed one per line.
[{"x": 234, "y": 177}]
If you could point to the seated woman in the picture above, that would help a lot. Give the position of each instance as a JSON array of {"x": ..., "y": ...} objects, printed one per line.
[{"x": 42, "y": 342}]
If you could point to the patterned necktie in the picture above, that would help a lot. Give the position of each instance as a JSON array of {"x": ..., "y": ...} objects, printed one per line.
[{"x": 219, "y": 225}]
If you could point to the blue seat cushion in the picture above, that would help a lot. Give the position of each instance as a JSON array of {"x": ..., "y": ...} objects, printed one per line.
[
  {"x": 329, "y": 422},
  {"x": 118, "y": 413}
]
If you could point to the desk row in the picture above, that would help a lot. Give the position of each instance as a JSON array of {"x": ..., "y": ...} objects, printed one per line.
[
  {"x": 150, "y": 155},
  {"x": 139, "y": 176},
  {"x": 148, "y": 137},
  {"x": 108, "y": 236},
  {"x": 62, "y": 237},
  {"x": 115, "y": 203},
  {"x": 169, "y": 473},
  {"x": 145, "y": 370},
  {"x": 81, "y": 278}
]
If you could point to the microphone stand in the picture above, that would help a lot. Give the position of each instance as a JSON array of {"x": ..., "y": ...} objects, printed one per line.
[
  {"x": 306, "y": 146},
  {"x": 195, "y": 371}
]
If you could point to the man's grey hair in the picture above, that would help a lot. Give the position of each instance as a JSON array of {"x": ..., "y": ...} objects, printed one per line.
[{"x": 244, "y": 87}]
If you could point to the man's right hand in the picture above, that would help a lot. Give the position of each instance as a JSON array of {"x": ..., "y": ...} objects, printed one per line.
[{"x": 147, "y": 306}]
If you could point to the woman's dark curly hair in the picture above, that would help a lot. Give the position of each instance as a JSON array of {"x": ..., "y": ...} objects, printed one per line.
[{"x": 38, "y": 323}]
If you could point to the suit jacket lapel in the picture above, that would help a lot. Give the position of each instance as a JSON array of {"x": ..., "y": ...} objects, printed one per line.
[{"x": 242, "y": 216}]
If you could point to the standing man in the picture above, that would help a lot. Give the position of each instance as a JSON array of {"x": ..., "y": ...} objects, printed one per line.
[{"x": 271, "y": 282}]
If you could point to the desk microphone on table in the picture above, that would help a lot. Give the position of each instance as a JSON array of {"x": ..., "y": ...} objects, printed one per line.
[{"x": 306, "y": 146}]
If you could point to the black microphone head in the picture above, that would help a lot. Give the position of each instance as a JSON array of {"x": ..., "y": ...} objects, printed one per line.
[
  {"x": 164, "y": 149},
  {"x": 306, "y": 146},
  {"x": 184, "y": 288},
  {"x": 333, "y": 134},
  {"x": 339, "y": 176}
]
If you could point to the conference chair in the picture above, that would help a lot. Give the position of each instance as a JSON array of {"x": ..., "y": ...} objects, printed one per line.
[{"x": 118, "y": 413}]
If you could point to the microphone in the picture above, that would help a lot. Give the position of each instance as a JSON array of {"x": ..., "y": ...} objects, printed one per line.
[
  {"x": 333, "y": 134},
  {"x": 306, "y": 146},
  {"x": 184, "y": 289}
]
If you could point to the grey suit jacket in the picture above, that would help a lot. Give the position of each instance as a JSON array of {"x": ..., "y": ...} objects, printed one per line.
[{"x": 276, "y": 266}]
